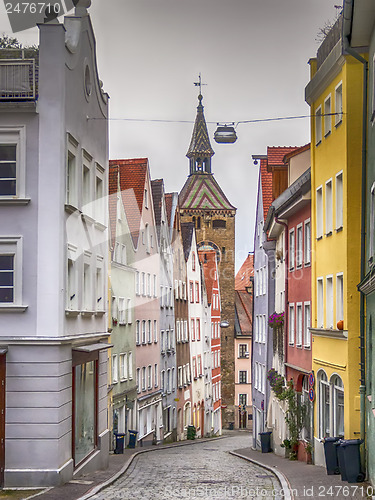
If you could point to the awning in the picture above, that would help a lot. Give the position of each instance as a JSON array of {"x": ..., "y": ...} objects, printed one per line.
[{"x": 92, "y": 347}]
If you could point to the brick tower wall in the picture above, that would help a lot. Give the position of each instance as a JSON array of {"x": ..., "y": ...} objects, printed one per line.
[{"x": 224, "y": 239}]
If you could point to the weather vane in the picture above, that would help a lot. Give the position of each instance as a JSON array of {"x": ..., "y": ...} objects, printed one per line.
[{"x": 199, "y": 84}]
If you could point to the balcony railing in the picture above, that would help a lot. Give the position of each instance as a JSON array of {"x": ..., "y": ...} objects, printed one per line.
[{"x": 17, "y": 79}]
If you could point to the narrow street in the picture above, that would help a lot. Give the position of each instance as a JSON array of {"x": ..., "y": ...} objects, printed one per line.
[{"x": 203, "y": 470}]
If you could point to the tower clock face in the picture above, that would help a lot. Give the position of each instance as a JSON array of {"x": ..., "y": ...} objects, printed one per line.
[{"x": 209, "y": 245}]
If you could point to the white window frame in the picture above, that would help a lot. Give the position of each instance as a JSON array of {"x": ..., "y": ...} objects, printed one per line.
[
  {"x": 318, "y": 126},
  {"x": 130, "y": 365},
  {"x": 292, "y": 322},
  {"x": 339, "y": 187},
  {"x": 307, "y": 242},
  {"x": 327, "y": 116},
  {"x": 16, "y": 136},
  {"x": 71, "y": 190},
  {"x": 339, "y": 297},
  {"x": 338, "y": 104},
  {"x": 299, "y": 246},
  {"x": 299, "y": 323},
  {"x": 99, "y": 196},
  {"x": 329, "y": 207},
  {"x": 320, "y": 302},
  {"x": 306, "y": 325},
  {"x": 114, "y": 368},
  {"x": 87, "y": 184},
  {"x": 13, "y": 245},
  {"x": 291, "y": 248},
  {"x": 329, "y": 301},
  {"x": 319, "y": 212}
]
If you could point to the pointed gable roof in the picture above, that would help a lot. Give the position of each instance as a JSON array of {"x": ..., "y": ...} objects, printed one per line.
[
  {"x": 202, "y": 192},
  {"x": 208, "y": 260},
  {"x": 245, "y": 273},
  {"x": 187, "y": 230},
  {"x": 200, "y": 143},
  {"x": 132, "y": 180},
  {"x": 275, "y": 155},
  {"x": 244, "y": 306}
]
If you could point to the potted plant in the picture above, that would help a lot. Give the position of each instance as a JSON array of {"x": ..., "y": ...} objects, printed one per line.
[
  {"x": 287, "y": 445},
  {"x": 308, "y": 449}
]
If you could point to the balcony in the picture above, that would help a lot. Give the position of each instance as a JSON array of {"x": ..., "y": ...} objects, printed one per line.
[{"x": 17, "y": 80}]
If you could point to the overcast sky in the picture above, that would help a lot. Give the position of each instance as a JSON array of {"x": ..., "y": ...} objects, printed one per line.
[{"x": 252, "y": 54}]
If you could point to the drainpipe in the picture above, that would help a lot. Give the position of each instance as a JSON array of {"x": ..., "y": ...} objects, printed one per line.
[
  {"x": 286, "y": 284},
  {"x": 362, "y": 388}
]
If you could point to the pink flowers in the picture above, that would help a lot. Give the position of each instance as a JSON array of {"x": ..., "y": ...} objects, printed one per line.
[{"x": 276, "y": 319}]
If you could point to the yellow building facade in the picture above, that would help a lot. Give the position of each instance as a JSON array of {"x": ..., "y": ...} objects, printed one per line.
[{"x": 335, "y": 96}]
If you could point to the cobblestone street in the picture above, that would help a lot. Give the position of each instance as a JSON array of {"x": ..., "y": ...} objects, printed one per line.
[{"x": 203, "y": 470}]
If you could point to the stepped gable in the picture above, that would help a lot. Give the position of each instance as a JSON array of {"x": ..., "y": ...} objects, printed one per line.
[
  {"x": 132, "y": 180},
  {"x": 202, "y": 192},
  {"x": 245, "y": 273}
]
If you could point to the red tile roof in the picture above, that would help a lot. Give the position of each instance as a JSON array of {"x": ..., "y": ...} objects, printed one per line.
[
  {"x": 132, "y": 178},
  {"x": 296, "y": 152},
  {"x": 244, "y": 306},
  {"x": 244, "y": 274},
  {"x": 275, "y": 155}
]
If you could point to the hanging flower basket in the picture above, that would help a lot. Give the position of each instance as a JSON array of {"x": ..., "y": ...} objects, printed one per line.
[{"x": 276, "y": 320}]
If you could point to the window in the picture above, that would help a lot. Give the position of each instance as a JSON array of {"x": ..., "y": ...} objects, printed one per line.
[
  {"x": 200, "y": 372},
  {"x": 149, "y": 284},
  {"x": 318, "y": 126},
  {"x": 129, "y": 310},
  {"x": 242, "y": 351},
  {"x": 156, "y": 375},
  {"x": 320, "y": 303},
  {"x": 319, "y": 212},
  {"x": 329, "y": 222},
  {"x": 327, "y": 116},
  {"x": 149, "y": 332},
  {"x": 306, "y": 325},
  {"x": 192, "y": 329},
  {"x": 162, "y": 346},
  {"x": 299, "y": 325},
  {"x": 130, "y": 365},
  {"x": 143, "y": 378},
  {"x": 242, "y": 377},
  {"x": 196, "y": 291},
  {"x": 291, "y": 249},
  {"x": 143, "y": 332},
  {"x": 121, "y": 311},
  {"x": 149, "y": 377},
  {"x": 186, "y": 335},
  {"x": 87, "y": 195},
  {"x": 137, "y": 282},
  {"x": 147, "y": 238},
  {"x": 143, "y": 284},
  {"x": 193, "y": 262},
  {"x": 307, "y": 249},
  {"x": 264, "y": 280},
  {"x": 155, "y": 286},
  {"x": 99, "y": 197},
  {"x": 339, "y": 297},
  {"x": 338, "y": 104},
  {"x": 195, "y": 370},
  {"x": 260, "y": 276},
  {"x": 115, "y": 369},
  {"x": 12, "y": 163},
  {"x": 191, "y": 291},
  {"x": 87, "y": 289},
  {"x": 339, "y": 202},
  {"x": 337, "y": 405},
  {"x": 123, "y": 366},
  {"x": 155, "y": 331},
  {"x": 299, "y": 252},
  {"x": 329, "y": 302},
  {"x": 71, "y": 289},
  {"x": 198, "y": 329},
  {"x": 138, "y": 380},
  {"x": 99, "y": 299},
  {"x": 146, "y": 199},
  {"x": 323, "y": 405},
  {"x": 71, "y": 179},
  {"x": 137, "y": 332},
  {"x": 179, "y": 381},
  {"x": 291, "y": 324}
]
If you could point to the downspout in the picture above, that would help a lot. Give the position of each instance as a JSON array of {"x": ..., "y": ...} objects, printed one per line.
[
  {"x": 278, "y": 221},
  {"x": 362, "y": 388}
]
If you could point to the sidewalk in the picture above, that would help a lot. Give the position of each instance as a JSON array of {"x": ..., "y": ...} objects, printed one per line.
[{"x": 305, "y": 481}]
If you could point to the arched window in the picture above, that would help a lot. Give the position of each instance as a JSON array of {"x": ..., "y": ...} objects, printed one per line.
[
  {"x": 324, "y": 405},
  {"x": 337, "y": 405},
  {"x": 193, "y": 262}
]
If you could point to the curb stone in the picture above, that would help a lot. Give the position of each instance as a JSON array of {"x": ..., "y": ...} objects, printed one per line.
[{"x": 283, "y": 480}]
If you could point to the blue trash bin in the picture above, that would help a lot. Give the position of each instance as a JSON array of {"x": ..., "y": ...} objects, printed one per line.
[
  {"x": 330, "y": 453},
  {"x": 132, "y": 438},
  {"x": 120, "y": 438}
]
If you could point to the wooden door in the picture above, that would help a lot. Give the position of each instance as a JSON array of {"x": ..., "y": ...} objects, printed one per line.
[{"x": 2, "y": 417}]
